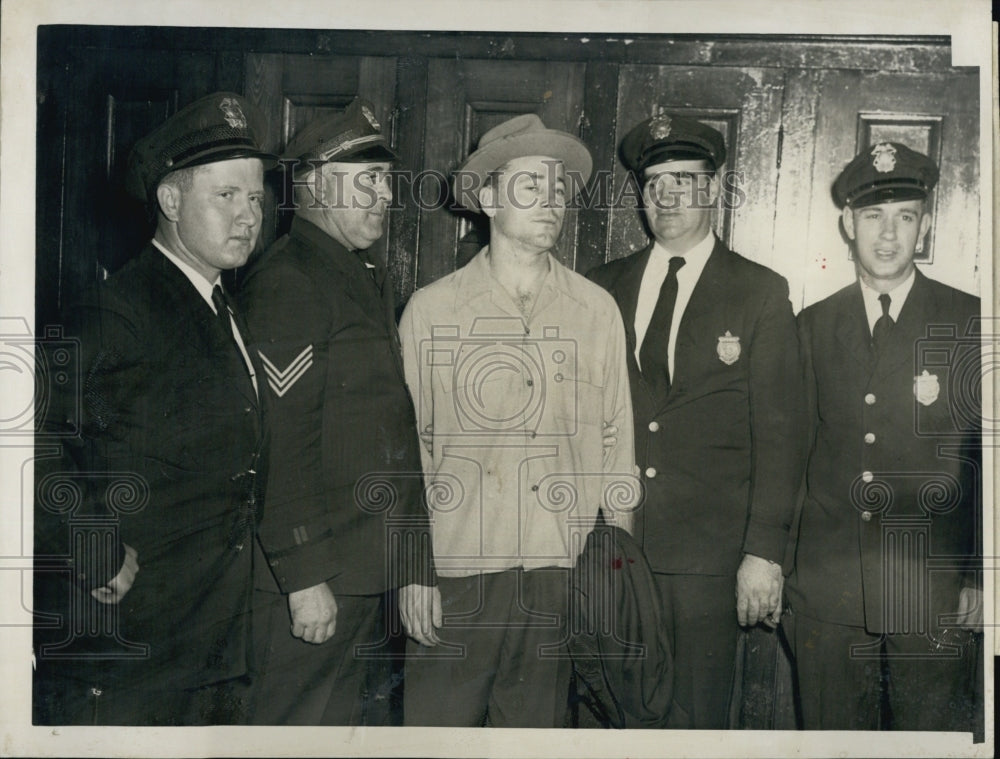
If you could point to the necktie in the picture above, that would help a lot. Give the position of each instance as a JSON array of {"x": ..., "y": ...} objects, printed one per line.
[
  {"x": 654, "y": 351},
  {"x": 222, "y": 310},
  {"x": 882, "y": 328}
]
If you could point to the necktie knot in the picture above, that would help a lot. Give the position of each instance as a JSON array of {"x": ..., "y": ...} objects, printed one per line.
[
  {"x": 676, "y": 262},
  {"x": 883, "y": 325},
  {"x": 885, "y": 299}
]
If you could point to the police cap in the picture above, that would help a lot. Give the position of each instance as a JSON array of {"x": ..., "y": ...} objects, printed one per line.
[
  {"x": 885, "y": 173},
  {"x": 354, "y": 136},
  {"x": 671, "y": 138},
  {"x": 217, "y": 127}
]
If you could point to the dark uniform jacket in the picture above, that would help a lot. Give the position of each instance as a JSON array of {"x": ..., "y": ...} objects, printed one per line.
[
  {"x": 891, "y": 478},
  {"x": 160, "y": 431},
  {"x": 345, "y": 483},
  {"x": 721, "y": 458},
  {"x": 619, "y": 643}
]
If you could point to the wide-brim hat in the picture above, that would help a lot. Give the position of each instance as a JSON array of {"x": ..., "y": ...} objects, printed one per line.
[
  {"x": 354, "y": 136},
  {"x": 669, "y": 137},
  {"x": 219, "y": 127},
  {"x": 887, "y": 172},
  {"x": 519, "y": 137}
]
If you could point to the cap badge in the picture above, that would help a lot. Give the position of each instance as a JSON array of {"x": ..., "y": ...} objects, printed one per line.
[
  {"x": 659, "y": 128},
  {"x": 885, "y": 157},
  {"x": 233, "y": 114},
  {"x": 367, "y": 113},
  {"x": 728, "y": 348}
]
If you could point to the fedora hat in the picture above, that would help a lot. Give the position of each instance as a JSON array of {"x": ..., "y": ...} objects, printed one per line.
[{"x": 518, "y": 137}]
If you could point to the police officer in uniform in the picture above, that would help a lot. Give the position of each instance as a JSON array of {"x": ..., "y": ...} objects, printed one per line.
[
  {"x": 347, "y": 520},
  {"x": 167, "y": 454},
  {"x": 713, "y": 366},
  {"x": 885, "y": 586}
]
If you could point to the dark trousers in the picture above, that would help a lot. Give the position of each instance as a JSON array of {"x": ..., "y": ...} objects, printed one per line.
[
  {"x": 844, "y": 672},
  {"x": 701, "y": 610},
  {"x": 502, "y": 661},
  {"x": 299, "y": 683}
]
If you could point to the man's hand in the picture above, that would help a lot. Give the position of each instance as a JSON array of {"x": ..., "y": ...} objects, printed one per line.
[
  {"x": 758, "y": 591},
  {"x": 970, "y": 609},
  {"x": 121, "y": 583},
  {"x": 314, "y": 613},
  {"x": 420, "y": 610},
  {"x": 427, "y": 436},
  {"x": 610, "y": 433}
]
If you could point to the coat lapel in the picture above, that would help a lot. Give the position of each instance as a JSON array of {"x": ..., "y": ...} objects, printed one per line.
[
  {"x": 626, "y": 292},
  {"x": 188, "y": 307},
  {"x": 709, "y": 295},
  {"x": 852, "y": 327},
  {"x": 912, "y": 325}
]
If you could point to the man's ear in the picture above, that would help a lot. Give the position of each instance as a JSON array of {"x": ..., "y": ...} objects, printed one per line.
[
  {"x": 487, "y": 199},
  {"x": 713, "y": 188},
  {"x": 925, "y": 226},
  {"x": 169, "y": 198},
  {"x": 848, "y": 217}
]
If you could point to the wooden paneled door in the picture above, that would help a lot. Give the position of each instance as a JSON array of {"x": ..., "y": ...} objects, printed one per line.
[
  {"x": 829, "y": 117},
  {"x": 742, "y": 103},
  {"x": 466, "y": 98}
]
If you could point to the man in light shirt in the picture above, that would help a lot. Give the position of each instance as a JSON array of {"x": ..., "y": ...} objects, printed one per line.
[
  {"x": 713, "y": 365},
  {"x": 515, "y": 362},
  {"x": 887, "y": 580},
  {"x": 167, "y": 454}
]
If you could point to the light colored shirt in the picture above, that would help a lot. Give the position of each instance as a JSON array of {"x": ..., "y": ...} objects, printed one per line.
[
  {"x": 204, "y": 288},
  {"x": 897, "y": 297},
  {"x": 518, "y": 469},
  {"x": 652, "y": 280}
]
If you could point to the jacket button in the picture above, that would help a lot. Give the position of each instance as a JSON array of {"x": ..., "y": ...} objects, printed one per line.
[
  {"x": 651, "y": 473},
  {"x": 866, "y": 516},
  {"x": 867, "y": 477},
  {"x": 654, "y": 426},
  {"x": 869, "y": 437},
  {"x": 870, "y": 399}
]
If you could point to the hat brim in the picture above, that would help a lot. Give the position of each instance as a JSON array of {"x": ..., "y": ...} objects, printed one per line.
[
  {"x": 228, "y": 153},
  {"x": 550, "y": 143},
  {"x": 377, "y": 152},
  {"x": 205, "y": 157},
  {"x": 890, "y": 192},
  {"x": 693, "y": 151}
]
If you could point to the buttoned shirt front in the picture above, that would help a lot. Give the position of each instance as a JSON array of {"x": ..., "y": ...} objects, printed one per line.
[
  {"x": 652, "y": 280},
  {"x": 517, "y": 469}
]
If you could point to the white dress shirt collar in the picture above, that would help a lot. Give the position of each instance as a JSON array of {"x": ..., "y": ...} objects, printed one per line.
[
  {"x": 652, "y": 280},
  {"x": 897, "y": 296}
]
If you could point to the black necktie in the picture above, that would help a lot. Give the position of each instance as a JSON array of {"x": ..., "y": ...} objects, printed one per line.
[
  {"x": 222, "y": 309},
  {"x": 882, "y": 328},
  {"x": 653, "y": 355}
]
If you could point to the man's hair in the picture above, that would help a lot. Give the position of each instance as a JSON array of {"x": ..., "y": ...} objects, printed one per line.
[{"x": 182, "y": 178}]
